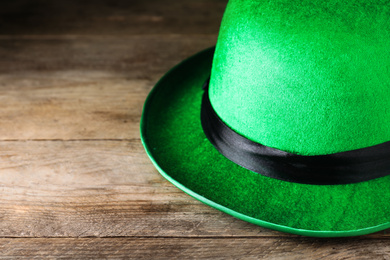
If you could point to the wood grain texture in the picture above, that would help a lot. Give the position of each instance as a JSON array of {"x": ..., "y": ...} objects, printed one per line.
[
  {"x": 75, "y": 181},
  {"x": 135, "y": 57},
  {"x": 110, "y": 17},
  {"x": 191, "y": 248},
  {"x": 83, "y": 88},
  {"x": 70, "y": 105},
  {"x": 98, "y": 188}
]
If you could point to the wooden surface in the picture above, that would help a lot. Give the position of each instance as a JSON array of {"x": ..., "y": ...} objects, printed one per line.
[{"x": 75, "y": 181}]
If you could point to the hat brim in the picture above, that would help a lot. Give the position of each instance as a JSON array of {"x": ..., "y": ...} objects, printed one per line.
[{"x": 172, "y": 135}]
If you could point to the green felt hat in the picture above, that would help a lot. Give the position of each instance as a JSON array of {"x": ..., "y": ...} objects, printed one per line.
[{"x": 291, "y": 132}]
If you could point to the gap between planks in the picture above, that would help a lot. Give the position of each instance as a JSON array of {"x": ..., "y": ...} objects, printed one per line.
[
  {"x": 198, "y": 248},
  {"x": 281, "y": 236},
  {"x": 100, "y": 36},
  {"x": 72, "y": 140}
]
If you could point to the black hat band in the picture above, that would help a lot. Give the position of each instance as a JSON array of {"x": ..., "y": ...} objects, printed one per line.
[{"x": 338, "y": 168}]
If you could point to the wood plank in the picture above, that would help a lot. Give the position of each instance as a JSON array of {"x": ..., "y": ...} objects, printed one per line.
[
  {"x": 102, "y": 189},
  {"x": 83, "y": 88},
  {"x": 110, "y": 17},
  {"x": 136, "y": 57},
  {"x": 190, "y": 248},
  {"x": 70, "y": 105}
]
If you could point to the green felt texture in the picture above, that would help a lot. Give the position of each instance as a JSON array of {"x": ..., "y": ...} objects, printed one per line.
[
  {"x": 172, "y": 135},
  {"x": 310, "y": 77}
]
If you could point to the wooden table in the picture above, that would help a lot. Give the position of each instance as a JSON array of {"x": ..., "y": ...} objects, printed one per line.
[{"x": 75, "y": 181}]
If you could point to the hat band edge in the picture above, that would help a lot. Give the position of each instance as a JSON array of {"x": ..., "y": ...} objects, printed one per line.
[{"x": 331, "y": 169}]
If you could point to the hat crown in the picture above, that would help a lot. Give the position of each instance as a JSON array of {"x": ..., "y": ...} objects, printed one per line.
[{"x": 307, "y": 77}]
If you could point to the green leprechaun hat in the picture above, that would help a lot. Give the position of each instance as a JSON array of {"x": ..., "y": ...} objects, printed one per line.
[{"x": 290, "y": 130}]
